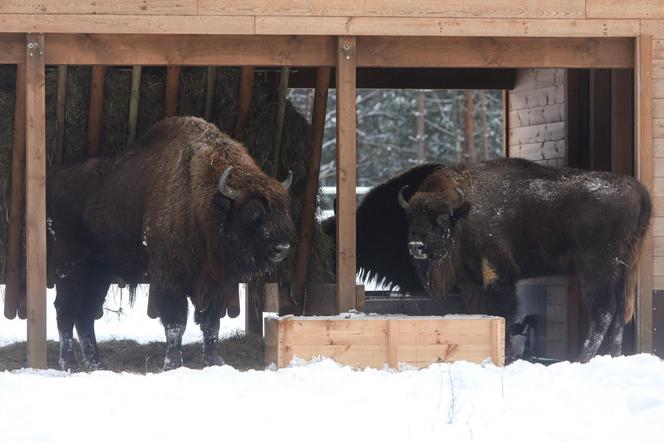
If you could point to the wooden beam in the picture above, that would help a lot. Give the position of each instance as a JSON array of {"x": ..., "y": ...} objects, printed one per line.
[
  {"x": 308, "y": 214},
  {"x": 282, "y": 93},
  {"x": 61, "y": 96},
  {"x": 645, "y": 173},
  {"x": 13, "y": 48},
  {"x": 16, "y": 201},
  {"x": 96, "y": 109},
  {"x": 346, "y": 172},
  {"x": 190, "y": 50},
  {"x": 35, "y": 104},
  {"x": 244, "y": 100},
  {"x": 469, "y": 52},
  {"x": 415, "y": 78},
  {"x": 209, "y": 92},
  {"x": 622, "y": 122},
  {"x": 172, "y": 90},
  {"x": 134, "y": 100}
]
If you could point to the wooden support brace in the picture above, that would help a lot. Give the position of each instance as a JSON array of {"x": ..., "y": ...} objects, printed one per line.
[
  {"x": 279, "y": 120},
  {"x": 209, "y": 92},
  {"x": 346, "y": 173},
  {"x": 61, "y": 96},
  {"x": 35, "y": 104},
  {"x": 244, "y": 101},
  {"x": 172, "y": 90},
  {"x": 16, "y": 201},
  {"x": 308, "y": 214},
  {"x": 134, "y": 99},
  {"x": 96, "y": 108}
]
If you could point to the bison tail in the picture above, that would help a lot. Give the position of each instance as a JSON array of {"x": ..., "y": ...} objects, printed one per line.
[{"x": 631, "y": 270}]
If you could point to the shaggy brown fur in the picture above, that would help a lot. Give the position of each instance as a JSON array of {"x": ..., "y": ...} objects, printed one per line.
[
  {"x": 515, "y": 219},
  {"x": 157, "y": 211}
]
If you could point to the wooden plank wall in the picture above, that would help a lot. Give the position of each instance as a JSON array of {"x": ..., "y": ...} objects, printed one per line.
[
  {"x": 658, "y": 142},
  {"x": 537, "y": 132}
]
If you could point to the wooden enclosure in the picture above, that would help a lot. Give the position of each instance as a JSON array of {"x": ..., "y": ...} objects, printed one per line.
[
  {"x": 346, "y": 36},
  {"x": 378, "y": 341}
]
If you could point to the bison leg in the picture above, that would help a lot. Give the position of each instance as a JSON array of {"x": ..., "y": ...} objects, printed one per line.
[
  {"x": 65, "y": 306},
  {"x": 208, "y": 320},
  {"x": 92, "y": 301},
  {"x": 173, "y": 311},
  {"x": 612, "y": 344},
  {"x": 602, "y": 310},
  {"x": 505, "y": 304}
]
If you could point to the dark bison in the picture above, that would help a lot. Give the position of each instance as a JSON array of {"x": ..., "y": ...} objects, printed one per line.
[
  {"x": 489, "y": 225},
  {"x": 186, "y": 208},
  {"x": 382, "y": 231}
]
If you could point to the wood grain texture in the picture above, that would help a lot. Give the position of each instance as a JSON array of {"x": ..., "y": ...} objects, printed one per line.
[
  {"x": 96, "y": 108},
  {"x": 126, "y": 24},
  {"x": 244, "y": 100},
  {"x": 401, "y": 8},
  {"x": 16, "y": 202},
  {"x": 346, "y": 172},
  {"x": 625, "y": 9},
  {"x": 35, "y": 233},
  {"x": 190, "y": 50},
  {"x": 13, "y": 48},
  {"x": 645, "y": 173},
  {"x": 99, "y": 7},
  {"x": 172, "y": 91},
  {"x": 428, "y": 26},
  {"x": 654, "y": 28}
]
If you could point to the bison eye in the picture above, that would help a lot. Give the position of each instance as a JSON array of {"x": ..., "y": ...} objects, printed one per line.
[
  {"x": 252, "y": 212},
  {"x": 442, "y": 220}
]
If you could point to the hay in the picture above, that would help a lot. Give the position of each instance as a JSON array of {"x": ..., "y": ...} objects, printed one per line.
[{"x": 117, "y": 87}]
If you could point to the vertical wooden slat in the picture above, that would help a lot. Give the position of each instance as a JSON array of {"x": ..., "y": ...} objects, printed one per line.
[
  {"x": 16, "y": 201},
  {"x": 622, "y": 121},
  {"x": 506, "y": 123},
  {"x": 36, "y": 199},
  {"x": 172, "y": 90},
  {"x": 61, "y": 96},
  {"x": 346, "y": 172},
  {"x": 393, "y": 343},
  {"x": 209, "y": 92},
  {"x": 96, "y": 108},
  {"x": 645, "y": 173},
  {"x": 497, "y": 334},
  {"x": 244, "y": 100},
  {"x": 279, "y": 120},
  {"x": 308, "y": 213},
  {"x": 134, "y": 97}
]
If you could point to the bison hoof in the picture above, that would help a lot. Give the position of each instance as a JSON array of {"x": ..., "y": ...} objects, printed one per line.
[
  {"x": 94, "y": 363},
  {"x": 172, "y": 360},
  {"x": 68, "y": 362},
  {"x": 212, "y": 359}
]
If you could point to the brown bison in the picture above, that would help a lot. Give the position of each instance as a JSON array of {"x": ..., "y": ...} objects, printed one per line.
[
  {"x": 378, "y": 217},
  {"x": 186, "y": 208},
  {"x": 489, "y": 225}
]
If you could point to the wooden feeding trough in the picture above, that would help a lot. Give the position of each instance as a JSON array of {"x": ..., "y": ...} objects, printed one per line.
[{"x": 377, "y": 340}]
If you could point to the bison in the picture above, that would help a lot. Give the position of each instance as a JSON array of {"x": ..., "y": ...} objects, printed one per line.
[
  {"x": 379, "y": 217},
  {"x": 489, "y": 225},
  {"x": 186, "y": 208}
]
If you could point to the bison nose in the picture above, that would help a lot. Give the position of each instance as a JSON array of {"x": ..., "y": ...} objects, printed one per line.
[
  {"x": 417, "y": 250},
  {"x": 280, "y": 252}
]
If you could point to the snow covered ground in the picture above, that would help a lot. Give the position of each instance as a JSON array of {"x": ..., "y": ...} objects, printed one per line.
[
  {"x": 608, "y": 399},
  {"x": 120, "y": 321}
]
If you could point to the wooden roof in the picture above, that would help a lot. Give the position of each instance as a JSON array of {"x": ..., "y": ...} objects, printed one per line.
[{"x": 581, "y": 18}]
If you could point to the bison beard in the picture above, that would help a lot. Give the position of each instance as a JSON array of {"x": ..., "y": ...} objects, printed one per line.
[
  {"x": 489, "y": 225},
  {"x": 186, "y": 208}
]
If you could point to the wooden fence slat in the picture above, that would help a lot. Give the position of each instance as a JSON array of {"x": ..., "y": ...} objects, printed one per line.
[
  {"x": 244, "y": 100},
  {"x": 279, "y": 119},
  {"x": 172, "y": 90},
  {"x": 16, "y": 201},
  {"x": 308, "y": 214},
  {"x": 346, "y": 172},
  {"x": 61, "y": 96},
  {"x": 209, "y": 92},
  {"x": 35, "y": 105},
  {"x": 134, "y": 100},
  {"x": 96, "y": 109}
]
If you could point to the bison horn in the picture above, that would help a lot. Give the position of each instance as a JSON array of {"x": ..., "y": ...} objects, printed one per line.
[
  {"x": 224, "y": 188},
  {"x": 462, "y": 198},
  {"x": 402, "y": 201},
  {"x": 288, "y": 181}
]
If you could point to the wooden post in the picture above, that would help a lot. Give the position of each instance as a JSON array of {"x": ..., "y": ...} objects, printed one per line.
[
  {"x": 61, "y": 96},
  {"x": 172, "y": 90},
  {"x": 307, "y": 217},
  {"x": 134, "y": 97},
  {"x": 469, "y": 129},
  {"x": 645, "y": 173},
  {"x": 244, "y": 100},
  {"x": 279, "y": 120},
  {"x": 96, "y": 108},
  {"x": 209, "y": 92},
  {"x": 16, "y": 201},
  {"x": 622, "y": 122},
  {"x": 35, "y": 93},
  {"x": 421, "y": 115},
  {"x": 506, "y": 123},
  {"x": 346, "y": 172}
]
